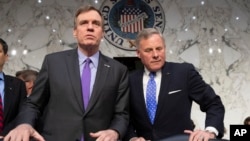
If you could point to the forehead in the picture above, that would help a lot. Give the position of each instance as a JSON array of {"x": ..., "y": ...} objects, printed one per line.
[
  {"x": 152, "y": 39},
  {"x": 89, "y": 15}
]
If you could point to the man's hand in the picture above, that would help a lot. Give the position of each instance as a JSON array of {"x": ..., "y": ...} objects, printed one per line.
[
  {"x": 200, "y": 135},
  {"x": 138, "y": 139},
  {"x": 105, "y": 135},
  {"x": 23, "y": 132}
]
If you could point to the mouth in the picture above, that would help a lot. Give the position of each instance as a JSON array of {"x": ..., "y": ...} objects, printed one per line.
[
  {"x": 156, "y": 61},
  {"x": 90, "y": 37}
]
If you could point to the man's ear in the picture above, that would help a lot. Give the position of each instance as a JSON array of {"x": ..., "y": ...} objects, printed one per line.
[
  {"x": 138, "y": 53},
  {"x": 6, "y": 57},
  {"x": 74, "y": 33},
  {"x": 103, "y": 35}
]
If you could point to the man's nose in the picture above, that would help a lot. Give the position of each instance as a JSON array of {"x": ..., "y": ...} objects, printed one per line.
[
  {"x": 90, "y": 26},
  {"x": 155, "y": 53}
]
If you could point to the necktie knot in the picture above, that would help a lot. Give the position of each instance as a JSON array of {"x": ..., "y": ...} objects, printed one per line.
[
  {"x": 87, "y": 62},
  {"x": 152, "y": 75}
]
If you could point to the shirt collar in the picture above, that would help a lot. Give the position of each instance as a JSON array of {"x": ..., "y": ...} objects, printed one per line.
[
  {"x": 1, "y": 76},
  {"x": 94, "y": 58},
  {"x": 147, "y": 72}
]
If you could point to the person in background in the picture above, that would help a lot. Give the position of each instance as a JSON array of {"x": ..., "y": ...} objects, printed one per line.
[
  {"x": 29, "y": 77},
  {"x": 162, "y": 93},
  {"x": 247, "y": 121},
  {"x": 94, "y": 107},
  {"x": 18, "y": 74},
  {"x": 12, "y": 94}
]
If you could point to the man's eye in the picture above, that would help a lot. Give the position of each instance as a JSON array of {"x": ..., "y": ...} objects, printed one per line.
[
  {"x": 83, "y": 22},
  {"x": 147, "y": 50},
  {"x": 97, "y": 23},
  {"x": 159, "y": 48}
]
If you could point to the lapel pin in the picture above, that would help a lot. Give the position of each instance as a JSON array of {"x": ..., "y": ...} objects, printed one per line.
[{"x": 106, "y": 65}]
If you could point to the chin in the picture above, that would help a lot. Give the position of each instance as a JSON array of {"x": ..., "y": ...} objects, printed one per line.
[
  {"x": 90, "y": 44},
  {"x": 156, "y": 68}
]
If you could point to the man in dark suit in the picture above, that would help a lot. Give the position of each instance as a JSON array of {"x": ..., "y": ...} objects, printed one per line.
[
  {"x": 12, "y": 93},
  {"x": 57, "y": 94},
  {"x": 177, "y": 86}
]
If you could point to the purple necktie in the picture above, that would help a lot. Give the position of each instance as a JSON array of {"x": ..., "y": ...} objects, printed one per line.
[{"x": 86, "y": 76}]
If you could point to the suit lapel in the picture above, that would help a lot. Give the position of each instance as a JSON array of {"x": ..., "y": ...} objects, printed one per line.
[
  {"x": 72, "y": 63},
  {"x": 138, "y": 99},
  {"x": 141, "y": 99},
  {"x": 7, "y": 96},
  {"x": 165, "y": 81}
]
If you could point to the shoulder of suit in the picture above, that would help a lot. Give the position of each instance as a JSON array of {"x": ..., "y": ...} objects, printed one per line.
[
  {"x": 183, "y": 64},
  {"x": 111, "y": 61},
  {"x": 137, "y": 72},
  {"x": 11, "y": 78},
  {"x": 62, "y": 53}
]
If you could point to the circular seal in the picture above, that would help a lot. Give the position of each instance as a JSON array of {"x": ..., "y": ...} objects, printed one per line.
[{"x": 123, "y": 19}]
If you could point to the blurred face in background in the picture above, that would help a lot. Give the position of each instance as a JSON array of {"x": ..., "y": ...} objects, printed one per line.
[
  {"x": 151, "y": 51},
  {"x": 3, "y": 57}
]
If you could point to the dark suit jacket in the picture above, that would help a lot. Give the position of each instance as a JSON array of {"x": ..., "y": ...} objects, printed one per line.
[
  {"x": 58, "y": 91},
  {"x": 14, "y": 95},
  {"x": 181, "y": 84},
  {"x": 185, "y": 137}
]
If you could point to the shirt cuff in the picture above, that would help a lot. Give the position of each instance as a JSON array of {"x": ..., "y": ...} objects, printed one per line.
[{"x": 212, "y": 129}]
